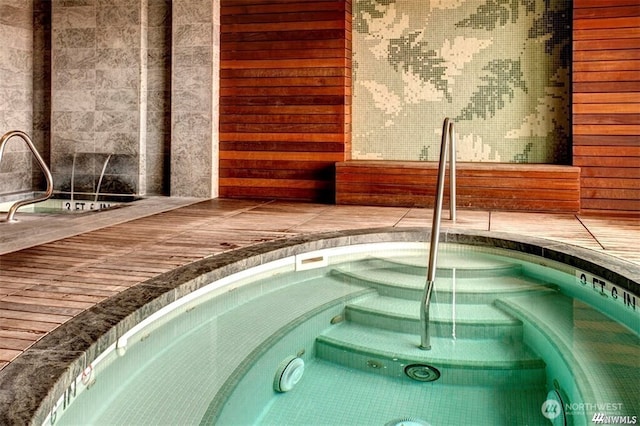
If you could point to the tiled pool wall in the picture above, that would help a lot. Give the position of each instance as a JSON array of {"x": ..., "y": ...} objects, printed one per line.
[{"x": 61, "y": 356}]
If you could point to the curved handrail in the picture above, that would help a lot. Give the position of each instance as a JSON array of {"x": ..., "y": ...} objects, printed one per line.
[
  {"x": 5, "y": 138},
  {"x": 447, "y": 135}
]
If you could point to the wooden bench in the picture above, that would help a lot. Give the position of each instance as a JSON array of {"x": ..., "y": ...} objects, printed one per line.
[{"x": 494, "y": 186}]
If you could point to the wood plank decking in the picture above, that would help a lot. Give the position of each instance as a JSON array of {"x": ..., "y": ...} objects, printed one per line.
[{"x": 43, "y": 286}]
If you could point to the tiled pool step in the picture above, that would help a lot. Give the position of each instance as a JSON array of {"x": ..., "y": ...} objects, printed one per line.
[
  {"x": 376, "y": 400},
  {"x": 473, "y": 341},
  {"x": 479, "y": 265},
  {"x": 466, "y": 320},
  {"x": 481, "y": 362},
  {"x": 601, "y": 355},
  {"x": 467, "y": 287}
]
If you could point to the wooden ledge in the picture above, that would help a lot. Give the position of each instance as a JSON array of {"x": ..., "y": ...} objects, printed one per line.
[{"x": 495, "y": 186}]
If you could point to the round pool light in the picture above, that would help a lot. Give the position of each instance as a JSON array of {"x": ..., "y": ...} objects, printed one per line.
[{"x": 288, "y": 374}]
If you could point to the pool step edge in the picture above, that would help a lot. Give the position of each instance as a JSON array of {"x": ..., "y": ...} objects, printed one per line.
[
  {"x": 469, "y": 321},
  {"x": 388, "y": 353}
]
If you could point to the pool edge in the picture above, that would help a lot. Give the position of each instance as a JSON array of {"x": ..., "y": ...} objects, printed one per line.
[{"x": 45, "y": 371}]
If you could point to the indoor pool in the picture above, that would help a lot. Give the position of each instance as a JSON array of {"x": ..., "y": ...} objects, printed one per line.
[{"x": 325, "y": 330}]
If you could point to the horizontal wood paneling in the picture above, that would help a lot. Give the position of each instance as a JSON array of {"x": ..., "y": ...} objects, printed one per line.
[
  {"x": 479, "y": 185},
  {"x": 285, "y": 88},
  {"x": 606, "y": 104},
  {"x": 285, "y": 104}
]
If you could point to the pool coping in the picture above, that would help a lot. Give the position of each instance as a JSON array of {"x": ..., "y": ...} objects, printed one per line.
[{"x": 34, "y": 381}]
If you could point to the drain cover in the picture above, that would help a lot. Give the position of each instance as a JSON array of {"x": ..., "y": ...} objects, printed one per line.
[
  {"x": 407, "y": 421},
  {"x": 422, "y": 372}
]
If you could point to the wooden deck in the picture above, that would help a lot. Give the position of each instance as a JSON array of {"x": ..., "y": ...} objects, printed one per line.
[{"x": 55, "y": 278}]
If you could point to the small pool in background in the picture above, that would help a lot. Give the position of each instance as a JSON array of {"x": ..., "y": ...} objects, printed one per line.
[
  {"x": 61, "y": 205},
  {"x": 325, "y": 330}
]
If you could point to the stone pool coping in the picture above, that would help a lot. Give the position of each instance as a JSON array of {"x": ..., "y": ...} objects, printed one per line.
[{"x": 32, "y": 383}]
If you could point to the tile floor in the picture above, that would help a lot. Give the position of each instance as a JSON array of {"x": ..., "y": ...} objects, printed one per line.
[{"x": 54, "y": 267}]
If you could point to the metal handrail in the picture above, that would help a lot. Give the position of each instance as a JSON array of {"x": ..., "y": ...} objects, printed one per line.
[
  {"x": 5, "y": 138},
  {"x": 448, "y": 135}
]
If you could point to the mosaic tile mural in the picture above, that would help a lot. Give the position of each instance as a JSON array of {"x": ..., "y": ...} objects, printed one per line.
[{"x": 498, "y": 68}]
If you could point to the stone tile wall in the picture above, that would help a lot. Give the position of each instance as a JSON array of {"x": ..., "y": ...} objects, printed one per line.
[
  {"x": 16, "y": 91},
  {"x": 41, "y": 132},
  {"x": 194, "y": 99},
  {"x": 158, "y": 85},
  {"x": 134, "y": 79},
  {"x": 97, "y": 52}
]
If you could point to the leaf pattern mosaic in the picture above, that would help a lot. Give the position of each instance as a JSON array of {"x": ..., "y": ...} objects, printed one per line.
[{"x": 499, "y": 68}]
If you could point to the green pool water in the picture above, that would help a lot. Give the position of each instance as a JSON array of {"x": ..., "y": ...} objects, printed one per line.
[{"x": 506, "y": 331}]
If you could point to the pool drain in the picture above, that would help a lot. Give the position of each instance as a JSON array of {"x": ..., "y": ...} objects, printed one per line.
[
  {"x": 407, "y": 421},
  {"x": 422, "y": 372}
]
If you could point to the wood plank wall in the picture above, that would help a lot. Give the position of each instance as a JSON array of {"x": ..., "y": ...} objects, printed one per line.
[
  {"x": 285, "y": 99},
  {"x": 606, "y": 104},
  {"x": 493, "y": 186},
  {"x": 285, "y": 89}
]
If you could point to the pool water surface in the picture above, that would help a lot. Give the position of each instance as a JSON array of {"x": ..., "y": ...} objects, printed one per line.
[{"x": 507, "y": 331}]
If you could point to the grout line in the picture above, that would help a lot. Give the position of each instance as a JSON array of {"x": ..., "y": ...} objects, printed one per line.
[
  {"x": 292, "y": 229},
  {"x": 589, "y": 231},
  {"x": 397, "y": 223},
  {"x": 257, "y": 204}
]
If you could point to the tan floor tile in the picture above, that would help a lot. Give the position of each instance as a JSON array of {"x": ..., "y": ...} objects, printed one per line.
[
  {"x": 465, "y": 219},
  {"x": 557, "y": 227},
  {"x": 353, "y": 217}
]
